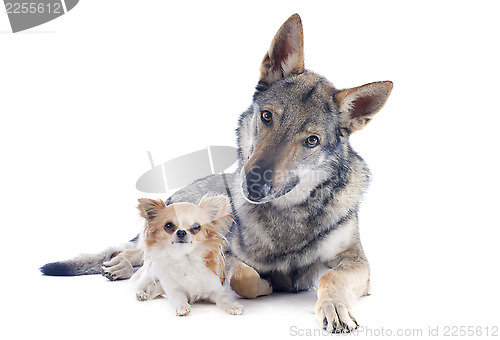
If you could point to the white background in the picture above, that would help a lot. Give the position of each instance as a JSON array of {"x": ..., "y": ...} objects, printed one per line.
[{"x": 84, "y": 97}]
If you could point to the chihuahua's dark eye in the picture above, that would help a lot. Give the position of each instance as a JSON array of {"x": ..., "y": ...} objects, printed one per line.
[
  {"x": 266, "y": 116},
  {"x": 169, "y": 227},
  {"x": 195, "y": 228},
  {"x": 311, "y": 141}
]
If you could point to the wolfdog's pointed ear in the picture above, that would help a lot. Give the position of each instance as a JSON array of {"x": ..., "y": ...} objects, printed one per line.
[
  {"x": 149, "y": 208},
  {"x": 286, "y": 54},
  {"x": 217, "y": 206},
  {"x": 359, "y": 104}
]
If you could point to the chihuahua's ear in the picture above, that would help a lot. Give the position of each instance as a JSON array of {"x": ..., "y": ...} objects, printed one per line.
[
  {"x": 360, "y": 104},
  {"x": 149, "y": 208},
  {"x": 286, "y": 54},
  {"x": 217, "y": 206}
]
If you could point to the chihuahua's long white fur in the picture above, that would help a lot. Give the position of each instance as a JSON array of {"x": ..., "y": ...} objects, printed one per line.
[{"x": 184, "y": 277}]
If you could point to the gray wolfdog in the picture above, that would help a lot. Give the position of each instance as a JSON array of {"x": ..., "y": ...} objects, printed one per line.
[{"x": 295, "y": 194}]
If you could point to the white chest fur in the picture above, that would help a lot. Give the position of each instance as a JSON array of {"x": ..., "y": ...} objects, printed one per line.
[{"x": 185, "y": 273}]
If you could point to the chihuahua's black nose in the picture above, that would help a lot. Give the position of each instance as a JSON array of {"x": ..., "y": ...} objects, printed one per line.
[{"x": 181, "y": 233}]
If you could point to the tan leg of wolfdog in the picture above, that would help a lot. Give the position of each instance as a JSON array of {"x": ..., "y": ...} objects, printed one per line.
[{"x": 339, "y": 288}]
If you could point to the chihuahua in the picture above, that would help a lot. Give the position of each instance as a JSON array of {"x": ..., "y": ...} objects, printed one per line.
[{"x": 182, "y": 245}]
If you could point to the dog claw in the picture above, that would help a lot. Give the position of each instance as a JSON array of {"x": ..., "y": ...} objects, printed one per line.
[
  {"x": 336, "y": 317},
  {"x": 117, "y": 270}
]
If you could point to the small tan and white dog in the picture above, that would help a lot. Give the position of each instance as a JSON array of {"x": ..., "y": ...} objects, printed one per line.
[{"x": 182, "y": 246}]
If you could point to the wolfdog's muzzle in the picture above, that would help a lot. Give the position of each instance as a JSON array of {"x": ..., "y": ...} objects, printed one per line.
[{"x": 259, "y": 184}]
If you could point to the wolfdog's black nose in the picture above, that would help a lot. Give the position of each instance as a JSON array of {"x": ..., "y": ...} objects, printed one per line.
[
  {"x": 181, "y": 233},
  {"x": 258, "y": 182}
]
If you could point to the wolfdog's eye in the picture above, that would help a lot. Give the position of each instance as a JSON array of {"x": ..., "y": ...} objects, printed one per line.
[
  {"x": 169, "y": 227},
  {"x": 311, "y": 141},
  {"x": 266, "y": 116}
]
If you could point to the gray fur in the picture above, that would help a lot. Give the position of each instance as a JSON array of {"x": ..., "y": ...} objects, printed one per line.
[{"x": 281, "y": 242}]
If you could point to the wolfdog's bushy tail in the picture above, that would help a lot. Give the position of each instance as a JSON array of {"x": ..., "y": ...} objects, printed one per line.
[
  {"x": 81, "y": 265},
  {"x": 84, "y": 264}
]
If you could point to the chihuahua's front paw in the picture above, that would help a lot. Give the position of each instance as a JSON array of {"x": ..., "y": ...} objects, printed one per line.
[
  {"x": 183, "y": 310},
  {"x": 141, "y": 295},
  {"x": 235, "y": 309}
]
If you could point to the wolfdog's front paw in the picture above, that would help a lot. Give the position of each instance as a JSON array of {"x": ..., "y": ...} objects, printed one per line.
[
  {"x": 118, "y": 268},
  {"x": 336, "y": 317},
  {"x": 234, "y": 309},
  {"x": 183, "y": 310}
]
